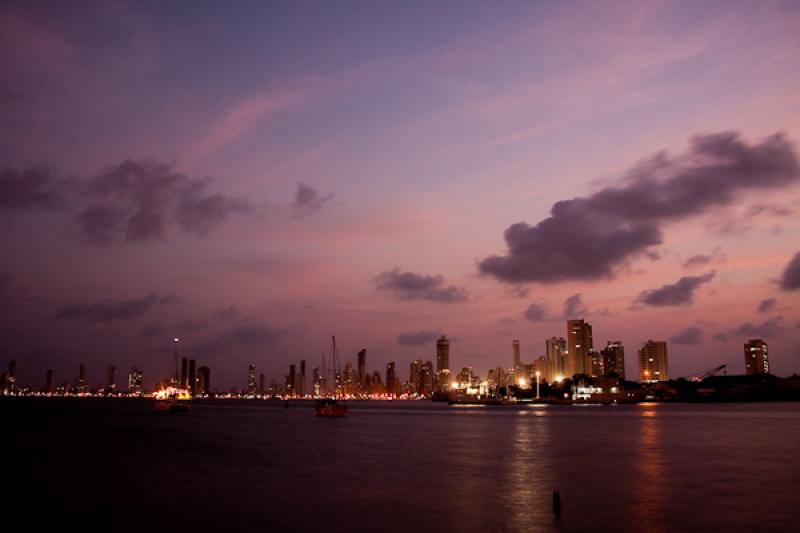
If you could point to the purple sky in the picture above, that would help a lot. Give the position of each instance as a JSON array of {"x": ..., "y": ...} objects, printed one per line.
[{"x": 258, "y": 178}]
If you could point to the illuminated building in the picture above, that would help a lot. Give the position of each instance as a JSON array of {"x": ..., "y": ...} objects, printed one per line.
[
  {"x": 579, "y": 348},
  {"x": 362, "y": 369},
  {"x": 391, "y": 380},
  {"x": 426, "y": 379},
  {"x": 376, "y": 387},
  {"x": 49, "y": 382},
  {"x": 443, "y": 363},
  {"x": 614, "y": 359},
  {"x": 756, "y": 358},
  {"x": 598, "y": 365},
  {"x": 515, "y": 355},
  {"x": 204, "y": 379},
  {"x": 252, "y": 386},
  {"x": 192, "y": 377},
  {"x": 555, "y": 348},
  {"x": 317, "y": 385},
  {"x": 653, "y": 362},
  {"x": 135, "y": 381},
  {"x": 414, "y": 376},
  {"x": 82, "y": 385}
]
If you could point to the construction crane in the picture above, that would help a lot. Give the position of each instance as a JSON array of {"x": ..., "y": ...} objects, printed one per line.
[{"x": 708, "y": 373}]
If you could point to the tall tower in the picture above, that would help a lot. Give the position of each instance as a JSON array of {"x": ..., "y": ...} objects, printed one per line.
[
  {"x": 251, "y": 380},
  {"x": 192, "y": 377},
  {"x": 756, "y": 358},
  {"x": 579, "y": 348},
  {"x": 292, "y": 380},
  {"x": 362, "y": 369},
  {"x": 112, "y": 379},
  {"x": 301, "y": 389},
  {"x": 49, "y": 381},
  {"x": 83, "y": 385},
  {"x": 614, "y": 359},
  {"x": 516, "y": 361},
  {"x": 443, "y": 363},
  {"x": 391, "y": 380},
  {"x": 555, "y": 348},
  {"x": 11, "y": 377},
  {"x": 204, "y": 374},
  {"x": 653, "y": 362},
  {"x": 184, "y": 373}
]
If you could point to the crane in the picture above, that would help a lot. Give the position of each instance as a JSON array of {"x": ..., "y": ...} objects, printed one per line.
[{"x": 708, "y": 373}]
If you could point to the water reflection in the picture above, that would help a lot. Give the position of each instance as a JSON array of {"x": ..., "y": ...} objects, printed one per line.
[{"x": 651, "y": 494}]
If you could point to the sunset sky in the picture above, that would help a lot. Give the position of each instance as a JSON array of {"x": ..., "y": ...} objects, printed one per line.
[{"x": 256, "y": 178}]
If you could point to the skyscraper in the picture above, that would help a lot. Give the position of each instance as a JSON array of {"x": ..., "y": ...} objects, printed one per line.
[
  {"x": 252, "y": 386},
  {"x": 362, "y": 369},
  {"x": 82, "y": 386},
  {"x": 579, "y": 348},
  {"x": 135, "y": 381},
  {"x": 301, "y": 387},
  {"x": 653, "y": 362},
  {"x": 111, "y": 386},
  {"x": 262, "y": 382},
  {"x": 443, "y": 364},
  {"x": 391, "y": 379},
  {"x": 414, "y": 375},
  {"x": 614, "y": 359},
  {"x": 192, "y": 377},
  {"x": 184, "y": 382},
  {"x": 756, "y": 358},
  {"x": 515, "y": 357},
  {"x": 11, "y": 377},
  {"x": 204, "y": 377},
  {"x": 291, "y": 380},
  {"x": 555, "y": 348},
  {"x": 49, "y": 382}
]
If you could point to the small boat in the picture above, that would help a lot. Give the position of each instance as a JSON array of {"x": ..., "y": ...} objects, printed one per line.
[
  {"x": 330, "y": 408},
  {"x": 172, "y": 400}
]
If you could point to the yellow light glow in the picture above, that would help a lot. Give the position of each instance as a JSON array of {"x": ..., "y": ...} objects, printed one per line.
[{"x": 521, "y": 382}]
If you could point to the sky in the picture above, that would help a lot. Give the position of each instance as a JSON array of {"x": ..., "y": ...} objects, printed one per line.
[{"x": 255, "y": 178}]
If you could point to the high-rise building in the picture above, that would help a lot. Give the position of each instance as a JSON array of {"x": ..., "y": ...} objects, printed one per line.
[
  {"x": 184, "y": 381},
  {"x": 426, "y": 379},
  {"x": 49, "y": 382},
  {"x": 11, "y": 378},
  {"x": 301, "y": 387},
  {"x": 204, "y": 380},
  {"x": 756, "y": 358},
  {"x": 192, "y": 377},
  {"x": 653, "y": 364},
  {"x": 111, "y": 386},
  {"x": 262, "y": 381},
  {"x": 515, "y": 355},
  {"x": 291, "y": 380},
  {"x": 362, "y": 369},
  {"x": 391, "y": 379},
  {"x": 443, "y": 364},
  {"x": 555, "y": 349},
  {"x": 614, "y": 359},
  {"x": 135, "y": 381},
  {"x": 317, "y": 386},
  {"x": 82, "y": 385},
  {"x": 579, "y": 348},
  {"x": 252, "y": 386},
  {"x": 414, "y": 375}
]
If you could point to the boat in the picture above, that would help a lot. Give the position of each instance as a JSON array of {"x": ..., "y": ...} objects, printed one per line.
[
  {"x": 172, "y": 400},
  {"x": 329, "y": 407}
]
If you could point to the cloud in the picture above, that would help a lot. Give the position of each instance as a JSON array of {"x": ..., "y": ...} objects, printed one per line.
[
  {"x": 767, "y": 305},
  {"x": 698, "y": 260},
  {"x": 536, "y": 313},
  {"x": 230, "y": 312},
  {"x": 588, "y": 238},
  {"x": 573, "y": 307},
  {"x": 29, "y": 189},
  {"x": 411, "y": 286},
  {"x": 108, "y": 310},
  {"x": 679, "y": 293},
  {"x": 308, "y": 200},
  {"x": 418, "y": 338},
  {"x": 691, "y": 335},
  {"x": 246, "y": 335},
  {"x": 519, "y": 291},
  {"x": 768, "y": 328},
  {"x": 790, "y": 280}
]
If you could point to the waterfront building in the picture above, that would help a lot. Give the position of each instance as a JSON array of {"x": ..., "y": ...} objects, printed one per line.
[
  {"x": 362, "y": 369},
  {"x": 579, "y": 348},
  {"x": 443, "y": 364},
  {"x": 317, "y": 385},
  {"x": 291, "y": 379},
  {"x": 10, "y": 385},
  {"x": 252, "y": 387},
  {"x": 49, "y": 382},
  {"x": 262, "y": 381},
  {"x": 301, "y": 388},
  {"x": 756, "y": 357},
  {"x": 614, "y": 359},
  {"x": 135, "y": 381},
  {"x": 414, "y": 376},
  {"x": 82, "y": 385},
  {"x": 653, "y": 365},
  {"x": 184, "y": 378},
  {"x": 204, "y": 380},
  {"x": 192, "y": 377},
  {"x": 555, "y": 350},
  {"x": 111, "y": 386},
  {"x": 426, "y": 379},
  {"x": 391, "y": 379},
  {"x": 515, "y": 354}
]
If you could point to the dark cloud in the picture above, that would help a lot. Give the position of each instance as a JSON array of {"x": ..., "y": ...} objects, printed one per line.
[
  {"x": 790, "y": 280},
  {"x": 691, "y": 335},
  {"x": 698, "y": 260},
  {"x": 767, "y": 305},
  {"x": 230, "y": 312},
  {"x": 29, "y": 189},
  {"x": 588, "y": 238},
  {"x": 573, "y": 307},
  {"x": 418, "y": 338},
  {"x": 768, "y": 328},
  {"x": 774, "y": 210},
  {"x": 519, "y": 291},
  {"x": 248, "y": 335},
  {"x": 411, "y": 286},
  {"x": 308, "y": 200},
  {"x": 679, "y": 293},
  {"x": 536, "y": 313},
  {"x": 108, "y": 309}
]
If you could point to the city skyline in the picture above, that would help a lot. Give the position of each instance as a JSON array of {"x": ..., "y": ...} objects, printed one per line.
[{"x": 257, "y": 182}]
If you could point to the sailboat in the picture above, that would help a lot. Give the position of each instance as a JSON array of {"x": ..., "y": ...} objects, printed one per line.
[{"x": 329, "y": 406}]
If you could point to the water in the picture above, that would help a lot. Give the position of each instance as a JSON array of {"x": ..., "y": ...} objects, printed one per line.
[{"x": 401, "y": 466}]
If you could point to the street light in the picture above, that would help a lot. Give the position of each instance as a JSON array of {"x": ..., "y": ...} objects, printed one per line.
[{"x": 538, "y": 373}]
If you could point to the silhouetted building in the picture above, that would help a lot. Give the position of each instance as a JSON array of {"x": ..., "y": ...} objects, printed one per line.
[
  {"x": 291, "y": 379},
  {"x": 653, "y": 364},
  {"x": 614, "y": 359},
  {"x": 579, "y": 348},
  {"x": 49, "y": 382},
  {"x": 443, "y": 363},
  {"x": 82, "y": 385},
  {"x": 362, "y": 369},
  {"x": 111, "y": 386},
  {"x": 414, "y": 375},
  {"x": 555, "y": 348},
  {"x": 135, "y": 381},
  {"x": 10, "y": 386},
  {"x": 756, "y": 358},
  {"x": 204, "y": 380},
  {"x": 251, "y": 379},
  {"x": 184, "y": 382},
  {"x": 515, "y": 355},
  {"x": 192, "y": 377},
  {"x": 262, "y": 381},
  {"x": 391, "y": 379},
  {"x": 301, "y": 387}
]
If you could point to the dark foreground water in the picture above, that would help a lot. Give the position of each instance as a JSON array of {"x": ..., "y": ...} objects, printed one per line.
[{"x": 400, "y": 466}]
